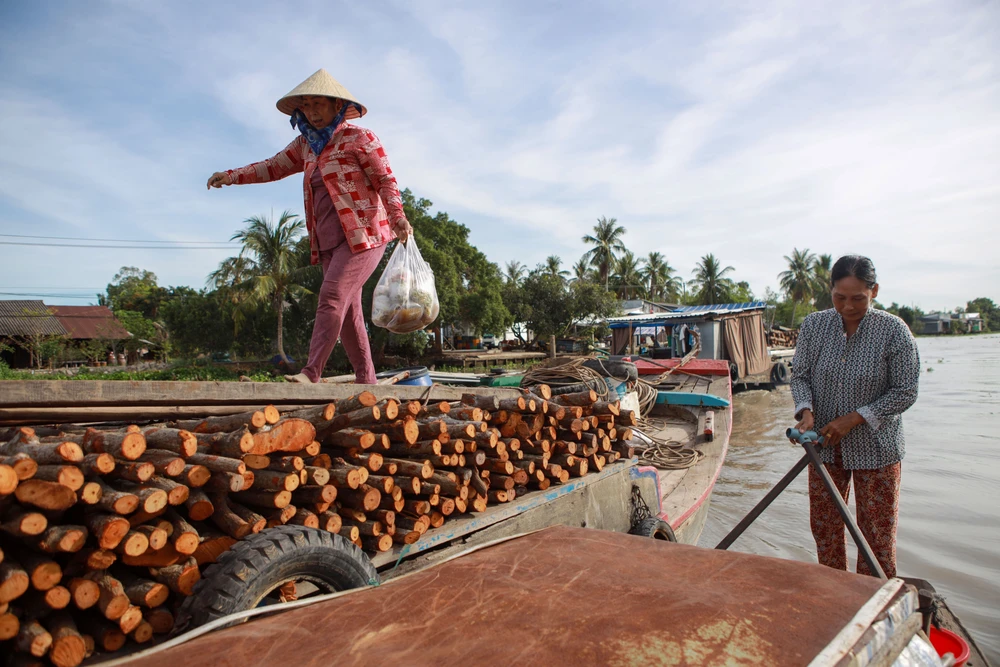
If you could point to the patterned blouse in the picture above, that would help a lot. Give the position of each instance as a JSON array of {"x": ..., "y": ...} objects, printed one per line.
[
  {"x": 875, "y": 372},
  {"x": 357, "y": 176}
]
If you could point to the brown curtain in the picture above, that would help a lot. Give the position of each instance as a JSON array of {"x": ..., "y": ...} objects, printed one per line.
[
  {"x": 754, "y": 343},
  {"x": 733, "y": 336},
  {"x": 619, "y": 340},
  {"x": 746, "y": 345}
]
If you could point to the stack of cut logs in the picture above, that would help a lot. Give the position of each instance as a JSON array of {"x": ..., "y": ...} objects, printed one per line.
[
  {"x": 782, "y": 337},
  {"x": 104, "y": 531}
]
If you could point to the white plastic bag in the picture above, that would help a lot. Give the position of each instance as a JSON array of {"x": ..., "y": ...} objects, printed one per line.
[{"x": 405, "y": 297}]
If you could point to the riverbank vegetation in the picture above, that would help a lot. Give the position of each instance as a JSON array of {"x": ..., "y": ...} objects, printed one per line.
[{"x": 260, "y": 303}]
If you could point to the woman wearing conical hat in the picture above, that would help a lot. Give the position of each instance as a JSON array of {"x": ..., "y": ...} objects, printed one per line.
[{"x": 353, "y": 208}]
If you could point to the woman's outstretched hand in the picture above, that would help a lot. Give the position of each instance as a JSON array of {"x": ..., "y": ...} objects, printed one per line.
[
  {"x": 218, "y": 179},
  {"x": 806, "y": 423}
]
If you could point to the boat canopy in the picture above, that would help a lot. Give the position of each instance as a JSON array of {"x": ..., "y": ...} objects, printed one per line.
[{"x": 684, "y": 313}]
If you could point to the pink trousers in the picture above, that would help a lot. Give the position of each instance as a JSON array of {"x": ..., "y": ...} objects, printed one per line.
[{"x": 339, "y": 313}]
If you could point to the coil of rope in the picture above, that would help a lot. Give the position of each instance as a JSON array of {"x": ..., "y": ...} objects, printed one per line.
[{"x": 565, "y": 375}]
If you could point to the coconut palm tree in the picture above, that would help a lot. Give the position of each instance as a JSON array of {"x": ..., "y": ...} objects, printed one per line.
[
  {"x": 711, "y": 282},
  {"x": 821, "y": 282},
  {"x": 514, "y": 272},
  {"x": 552, "y": 267},
  {"x": 607, "y": 240},
  {"x": 799, "y": 280},
  {"x": 268, "y": 268},
  {"x": 659, "y": 278},
  {"x": 628, "y": 278},
  {"x": 582, "y": 271}
]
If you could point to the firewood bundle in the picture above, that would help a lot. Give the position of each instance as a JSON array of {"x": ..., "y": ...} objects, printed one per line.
[
  {"x": 782, "y": 338},
  {"x": 105, "y": 531}
]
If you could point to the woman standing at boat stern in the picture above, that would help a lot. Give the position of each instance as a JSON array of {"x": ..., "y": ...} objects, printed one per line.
[
  {"x": 855, "y": 372},
  {"x": 353, "y": 209}
]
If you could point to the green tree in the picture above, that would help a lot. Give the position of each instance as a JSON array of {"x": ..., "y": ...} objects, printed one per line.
[
  {"x": 582, "y": 271},
  {"x": 821, "y": 282},
  {"x": 515, "y": 272},
  {"x": 659, "y": 278},
  {"x": 711, "y": 282},
  {"x": 628, "y": 276},
  {"x": 141, "y": 328},
  {"x": 607, "y": 240},
  {"x": 553, "y": 266},
  {"x": 741, "y": 293},
  {"x": 799, "y": 280},
  {"x": 987, "y": 310},
  {"x": 268, "y": 268},
  {"x": 556, "y": 306},
  {"x": 198, "y": 321},
  {"x": 134, "y": 289}
]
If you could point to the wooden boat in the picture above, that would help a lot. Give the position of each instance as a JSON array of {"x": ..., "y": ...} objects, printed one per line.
[{"x": 694, "y": 410}]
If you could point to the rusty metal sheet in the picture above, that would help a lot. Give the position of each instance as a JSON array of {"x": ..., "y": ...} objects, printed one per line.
[{"x": 560, "y": 596}]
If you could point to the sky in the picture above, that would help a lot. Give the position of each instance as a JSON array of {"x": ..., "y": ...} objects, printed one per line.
[{"x": 739, "y": 129}]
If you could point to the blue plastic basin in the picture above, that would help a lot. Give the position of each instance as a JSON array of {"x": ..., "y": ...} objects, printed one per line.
[{"x": 419, "y": 376}]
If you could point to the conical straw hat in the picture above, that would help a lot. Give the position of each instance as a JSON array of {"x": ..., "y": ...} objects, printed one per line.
[{"x": 320, "y": 83}]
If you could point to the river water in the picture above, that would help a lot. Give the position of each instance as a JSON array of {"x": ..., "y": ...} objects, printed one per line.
[{"x": 949, "y": 524}]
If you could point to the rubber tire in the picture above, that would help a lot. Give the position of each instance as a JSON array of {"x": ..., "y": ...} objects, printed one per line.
[
  {"x": 618, "y": 369},
  {"x": 654, "y": 527},
  {"x": 734, "y": 372},
  {"x": 253, "y": 566},
  {"x": 779, "y": 373}
]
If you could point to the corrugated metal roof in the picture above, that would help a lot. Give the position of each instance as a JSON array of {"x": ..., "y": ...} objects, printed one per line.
[
  {"x": 88, "y": 322},
  {"x": 685, "y": 312},
  {"x": 28, "y": 318}
]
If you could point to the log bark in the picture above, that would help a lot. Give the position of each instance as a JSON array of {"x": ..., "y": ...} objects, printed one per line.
[
  {"x": 304, "y": 517},
  {"x": 317, "y": 416},
  {"x": 286, "y": 464},
  {"x": 177, "y": 494},
  {"x": 61, "y": 539},
  {"x": 228, "y": 443},
  {"x": 389, "y": 408},
  {"x": 256, "y": 521},
  {"x": 384, "y": 483},
  {"x": 226, "y": 482},
  {"x": 402, "y": 430},
  {"x": 143, "y": 632},
  {"x": 349, "y": 532},
  {"x": 122, "y": 445},
  {"x": 264, "y": 499},
  {"x": 380, "y": 543},
  {"x": 112, "y": 601},
  {"x": 138, "y": 471},
  {"x": 350, "y": 437},
  {"x": 237, "y": 422},
  {"x": 407, "y": 524},
  {"x": 484, "y": 402},
  {"x": 108, "y": 529},
  {"x": 179, "y": 441},
  {"x": 365, "y": 399},
  {"x": 227, "y": 520},
  {"x": 195, "y": 476},
  {"x": 345, "y": 477},
  {"x": 10, "y": 625},
  {"x": 362, "y": 417},
  {"x": 422, "y": 469},
  {"x": 198, "y": 505},
  {"x": 143, "y": 592},
  {"x": 33, "y": 639},
  {"x": 331, "y": 522},
  {"x": 184, "y": 537},
  {"x": 270, "y": 480},
  {"x": 107, "y": 637},
  {"x": 47, "y": 453},
  {"x": 212, "y": 548}
]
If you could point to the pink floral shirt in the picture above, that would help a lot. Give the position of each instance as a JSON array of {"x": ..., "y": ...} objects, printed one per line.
[{"x": 356, "y": 172}]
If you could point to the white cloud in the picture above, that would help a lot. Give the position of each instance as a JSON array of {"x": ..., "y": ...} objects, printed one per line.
[{"x": 840, "y": 127}]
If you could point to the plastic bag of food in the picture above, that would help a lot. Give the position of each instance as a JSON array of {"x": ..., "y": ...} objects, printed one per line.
[{"x": 405, "y": 297}]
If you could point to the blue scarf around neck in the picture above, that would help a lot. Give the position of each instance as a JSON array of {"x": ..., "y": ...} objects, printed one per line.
[{"x": 318, "y": 139}]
